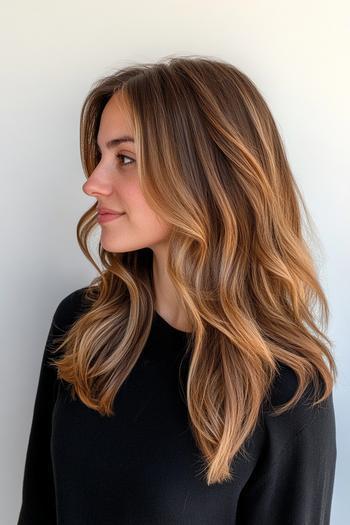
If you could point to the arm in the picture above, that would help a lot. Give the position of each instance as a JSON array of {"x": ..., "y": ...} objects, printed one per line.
[
  {"x": 297, "y": 484},
  {"x": 38, "y": 491}
]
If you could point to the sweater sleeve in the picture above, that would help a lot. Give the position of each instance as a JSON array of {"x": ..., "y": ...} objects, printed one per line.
[
  {"x": 38, "y": 506},
  {"x": 294, "y": 484}
]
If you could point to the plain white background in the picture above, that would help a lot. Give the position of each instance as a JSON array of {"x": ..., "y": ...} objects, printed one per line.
[{"x": 296, "y": 52}]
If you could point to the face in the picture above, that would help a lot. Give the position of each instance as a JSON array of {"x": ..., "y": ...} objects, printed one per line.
[{"x": 115, "y": 185}]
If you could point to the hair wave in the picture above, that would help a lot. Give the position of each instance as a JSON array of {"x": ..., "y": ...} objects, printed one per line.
[{"x": 237, "y": 254}]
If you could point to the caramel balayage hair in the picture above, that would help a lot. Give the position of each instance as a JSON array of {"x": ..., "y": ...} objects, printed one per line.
[{"x": 212, "y": 164}]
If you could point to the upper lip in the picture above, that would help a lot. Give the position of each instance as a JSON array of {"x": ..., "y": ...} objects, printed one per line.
[{"x": 108, "y": 210}]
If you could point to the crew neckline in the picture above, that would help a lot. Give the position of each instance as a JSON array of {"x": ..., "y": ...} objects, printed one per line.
[{"x": 168, "y": 326}]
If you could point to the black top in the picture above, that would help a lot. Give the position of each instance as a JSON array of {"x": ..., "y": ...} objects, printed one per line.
[{"x": 140, "y": 466}]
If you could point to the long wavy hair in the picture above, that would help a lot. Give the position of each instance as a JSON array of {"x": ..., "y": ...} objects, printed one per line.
[{"x": 238, "y": 257}]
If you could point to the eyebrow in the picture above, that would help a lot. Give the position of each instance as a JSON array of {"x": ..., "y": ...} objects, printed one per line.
[{"x": 115, "y": 142}]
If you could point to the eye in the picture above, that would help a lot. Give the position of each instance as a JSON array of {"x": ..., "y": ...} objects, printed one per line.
[{"x": 120, "y": 156}]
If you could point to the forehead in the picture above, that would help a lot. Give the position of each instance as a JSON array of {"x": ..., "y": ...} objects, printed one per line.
[
  {"x": 115, "y": 120},
  {"x": 117, "y": 108}
]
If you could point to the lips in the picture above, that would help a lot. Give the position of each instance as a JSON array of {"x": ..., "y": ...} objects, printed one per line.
[
  {"x": 104, "y": 211},
  {"x": 103, "y": 218}
]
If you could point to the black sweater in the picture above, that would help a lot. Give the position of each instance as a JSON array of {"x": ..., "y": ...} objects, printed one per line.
[{"x": 140, "y": 467}]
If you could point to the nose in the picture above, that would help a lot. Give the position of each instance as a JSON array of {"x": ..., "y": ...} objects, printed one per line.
[{"x": 96, "y": 185}]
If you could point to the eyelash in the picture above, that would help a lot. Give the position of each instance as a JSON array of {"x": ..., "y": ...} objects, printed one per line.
[{"x": 119, "y": 156}]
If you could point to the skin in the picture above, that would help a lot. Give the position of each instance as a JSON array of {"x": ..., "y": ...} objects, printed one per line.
[{"x": 114, "y": 183}]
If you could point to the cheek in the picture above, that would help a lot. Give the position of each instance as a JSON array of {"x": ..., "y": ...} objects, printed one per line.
[
  {"x": 141, "y": 215},
  {"x": 145, "y": 220}
]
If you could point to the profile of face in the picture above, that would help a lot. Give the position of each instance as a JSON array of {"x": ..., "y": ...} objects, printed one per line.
[{"x": 115, "y": 184}]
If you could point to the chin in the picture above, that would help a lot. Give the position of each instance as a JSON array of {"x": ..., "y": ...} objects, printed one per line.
[{"x": 111, "y": 245}]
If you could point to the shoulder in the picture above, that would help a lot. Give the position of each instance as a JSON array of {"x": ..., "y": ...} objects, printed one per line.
[
  {"x": 69, "y": 308},
  {"x": 302, "y": 419}
]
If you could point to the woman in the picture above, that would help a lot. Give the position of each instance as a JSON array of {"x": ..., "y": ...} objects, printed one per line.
[{"x": 191, "y": 382}]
